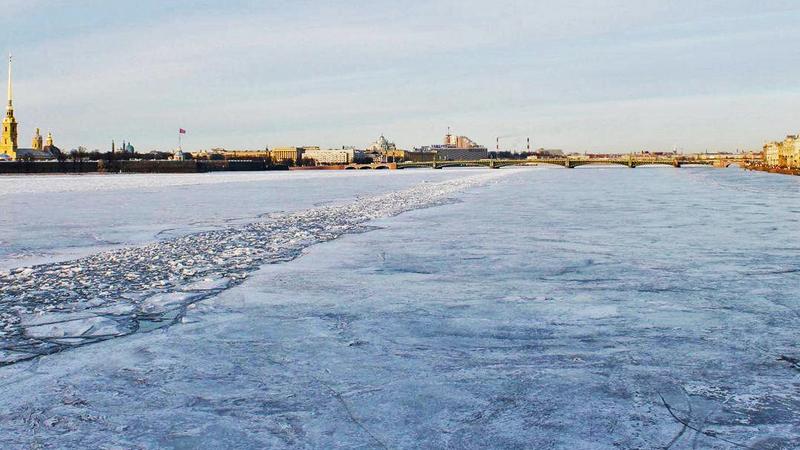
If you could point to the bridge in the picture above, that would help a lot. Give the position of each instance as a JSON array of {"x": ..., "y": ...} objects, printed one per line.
[{"x": 570, "y": 163}]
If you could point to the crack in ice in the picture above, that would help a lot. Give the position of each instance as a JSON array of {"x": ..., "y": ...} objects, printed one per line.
[{"x": 136, "y": 289}]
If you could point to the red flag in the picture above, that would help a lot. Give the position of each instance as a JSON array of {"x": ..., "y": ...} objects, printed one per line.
[{"x": 181, "y": 131}]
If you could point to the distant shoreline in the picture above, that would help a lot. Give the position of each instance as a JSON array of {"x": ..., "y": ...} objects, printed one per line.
[
  {"x": 133, "y": 166},
  {"x": 16, "y": 168}
]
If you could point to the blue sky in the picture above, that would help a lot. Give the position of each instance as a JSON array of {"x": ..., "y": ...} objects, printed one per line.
[{"x": 601, "y": 75}]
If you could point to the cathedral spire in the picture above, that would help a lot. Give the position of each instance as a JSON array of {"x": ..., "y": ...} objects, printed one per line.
[
  {"x": 10, "y": 96},
  {"x": 8, "y": 138}
]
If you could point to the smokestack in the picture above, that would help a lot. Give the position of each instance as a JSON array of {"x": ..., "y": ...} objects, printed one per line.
[
  {"x": 497, "y": 145},
  {"x": 529, "y": 144}
]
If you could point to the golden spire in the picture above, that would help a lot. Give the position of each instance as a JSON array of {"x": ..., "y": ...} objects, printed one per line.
[
  {"x": 8, "y": 138},
  {"x": 10, "y": 106}
]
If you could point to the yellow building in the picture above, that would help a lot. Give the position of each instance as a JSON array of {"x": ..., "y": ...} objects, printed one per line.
[
  {"x": 785, "y": 154},
  {"x": 395, "y": 155},
  {"x": 245, "y": 154},
  {"x": 8, "y": 139},
  {"x": 280, "y": 154},
  {"x": 789, "y": 154}
]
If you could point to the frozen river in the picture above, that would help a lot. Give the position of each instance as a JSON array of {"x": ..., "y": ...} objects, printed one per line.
[{"x": 514, "y": 308}]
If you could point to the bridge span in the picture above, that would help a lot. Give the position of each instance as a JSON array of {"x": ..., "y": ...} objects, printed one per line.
[{"x": 571, "y": 163}]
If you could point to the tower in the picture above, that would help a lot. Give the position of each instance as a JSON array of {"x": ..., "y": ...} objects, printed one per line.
[
  {"x": 36, "y": 144},
  {"x": 8, "y": 138}
]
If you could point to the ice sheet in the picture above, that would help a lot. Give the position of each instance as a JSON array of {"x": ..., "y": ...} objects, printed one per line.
[{"x": 584, "y": 308}]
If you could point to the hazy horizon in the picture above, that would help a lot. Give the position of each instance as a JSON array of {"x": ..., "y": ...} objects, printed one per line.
[{"x": 591, "y": 76}]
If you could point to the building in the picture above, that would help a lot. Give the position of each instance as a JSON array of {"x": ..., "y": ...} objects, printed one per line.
[
  {"x": 382, "y": 150},
  {"x": 382, "y": 145},
  {"x": 39, "y": 151},
  {"x": 221, "y": 153},
  {"x": 784, "y": 154},
  {"x": 395, "y": 155},
  {"x": 789, "y": 152},
  {"x": 8, "y": 138},
  {"x": 771, "y": 153},
  {"x": 419, "y": 156},
  {"x": 444, "y": 153},
  {"x": 455, "y": 148},
  {"x": 334, "y": 156},
  {"x": 461, "y": 142},
  {"x": 286, "y": 154}
]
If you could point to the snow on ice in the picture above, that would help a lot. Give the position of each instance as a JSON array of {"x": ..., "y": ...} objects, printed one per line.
[
  {"x": 158, "y": 280},
  {"x": 585, "y": 308}
]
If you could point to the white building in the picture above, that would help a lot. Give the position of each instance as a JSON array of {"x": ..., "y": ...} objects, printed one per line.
[
  {"x": 334, "y": 156},
  {"x": 179, "y": 155}
]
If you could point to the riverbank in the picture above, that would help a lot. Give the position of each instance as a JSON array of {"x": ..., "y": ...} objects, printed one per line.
[
  {"x": 772, "y": 169},
  {"x": 134, "y": 166}
]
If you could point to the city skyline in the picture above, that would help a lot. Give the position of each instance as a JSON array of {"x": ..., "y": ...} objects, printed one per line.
[{"x": 591, "y": 76}]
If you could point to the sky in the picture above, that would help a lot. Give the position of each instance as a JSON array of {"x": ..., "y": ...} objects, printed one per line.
[{"x": 580, "y": 75}]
